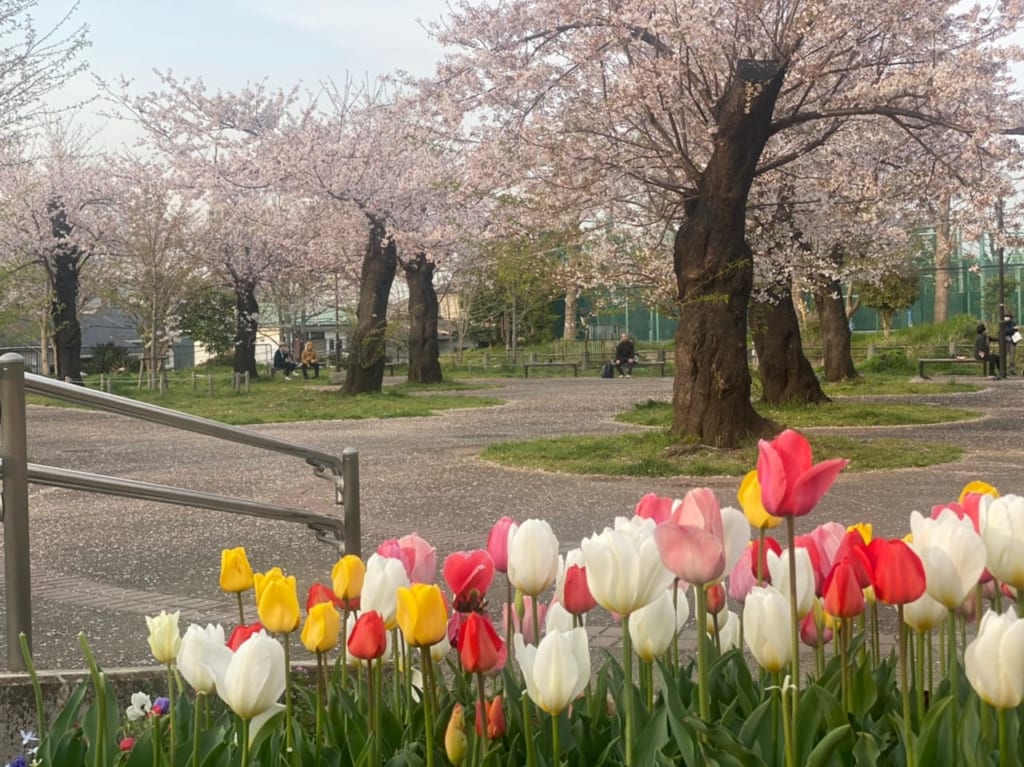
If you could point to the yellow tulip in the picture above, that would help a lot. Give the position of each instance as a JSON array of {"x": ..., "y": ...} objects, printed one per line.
[
  {"x": 260, "y": 578},
  {"x": 455, "y": 743},
  {"x": 277, "y": 602},
  {"x": 977, "y": 486},
  {"x": 322, "y": 627},
  {"x": 235, "y": 572},
  {"x": 347, "y": 577},
  {"x": 421, "y": 614},
  {"x": 749, "y": 496},
  {"x": 864, "y": 528}
]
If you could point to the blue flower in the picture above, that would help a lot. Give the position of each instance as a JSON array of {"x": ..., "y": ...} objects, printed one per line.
[
  {"x": 18, "y": 761},
  {"x": 161, "y": 706}
]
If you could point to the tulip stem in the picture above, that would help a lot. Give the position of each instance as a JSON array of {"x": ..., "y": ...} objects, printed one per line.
[
  {"x": 905, "y": 689},
  {"x": 172, "y": 701},
  {"x": 321, "y": 694},
  {"x": 287, "y": 694},
  {"x": 37, "y": 689},
  {"x": 343, "y": 657},
  {"x": 158, "y": 742},
  {"x": 844, "y": 627},
  {"x": 531, "y": 744},
  {"x": 876, "y": 640},
  {"x": 196, "y": 713},
  {"x": 556, "y": 748},
  {"x": 1004, "y": 740},
  {"x": 794, "y": 620},
  {"x": 627, "y": 688},
  {"x": 482, "y": 694},
  {"x": 702, "y": 652},
  {"x": 535, "y": 612},
  {"x": 241, "y": 609},
  {"x": 509, "y": 623},
  {"x": 787, "y": 724},
  {"x": 245, "y": 743},
  {"x": 954, "y": 684},
  {"x": 428, "y": 714}
]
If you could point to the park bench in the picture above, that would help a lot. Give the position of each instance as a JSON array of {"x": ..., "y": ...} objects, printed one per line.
[
  {"x": 528, "y": 365},
  {"x": 923, "y": 361},
  {"x": 660, "y": 364}
]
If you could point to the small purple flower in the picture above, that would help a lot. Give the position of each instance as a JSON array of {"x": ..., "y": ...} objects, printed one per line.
[
  {"x": 161, "y": 706},
  {"x": 18, "y": 761}
]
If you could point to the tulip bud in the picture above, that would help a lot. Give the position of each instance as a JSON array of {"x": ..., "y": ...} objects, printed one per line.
[
  {"x": 322, "y": 627},
  {"x": 497, "y": 542},
  {"x": 455, "y": 743},
  {"x": 495, "y": 719},
  {"x": 422, "y": 614},
  {"x": 127, "y": 744},
  {"x": 368, "y": 638},
  {"x": 164, "y": 639},
  {"x": 347, "y": 578},
  {"x": 277, "y": 602},
  {"x": 235, "y": 572},
  {"x": 716, "y": 598}
]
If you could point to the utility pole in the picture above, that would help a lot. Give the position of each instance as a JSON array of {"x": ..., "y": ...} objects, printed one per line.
[{"x": 1002, "y": 288}]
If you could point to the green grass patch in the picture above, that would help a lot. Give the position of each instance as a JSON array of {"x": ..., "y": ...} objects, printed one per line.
[
  {"x": 278, "y": 401},
  {"x": 888, "y": 385},
  {"x": 646, "y": 455}
]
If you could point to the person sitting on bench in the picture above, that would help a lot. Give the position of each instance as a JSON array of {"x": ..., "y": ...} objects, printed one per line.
[
  {"x": 981, "y": 350},
  {"x": 625, "y": 354},
  {"x": 283, "y": 361},
  {"x": 309, "y": 360}
]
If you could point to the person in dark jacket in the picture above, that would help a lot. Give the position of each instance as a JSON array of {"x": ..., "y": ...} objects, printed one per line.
[
  {"x": 625, "y": 354},
  {"x": 982, "y": 352},
  {"x": 284, "y": 362}
]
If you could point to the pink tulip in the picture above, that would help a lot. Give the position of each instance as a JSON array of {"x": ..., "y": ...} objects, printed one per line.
[
  {"x": 791, "y": 483},
  {"x": 813, "y": 630},
  {"x": 497, "y": 543},
  {"x": 741, "y": 579},
  {"x": 656, "y": 507},
  {"x": 808, "y": 544},
  {"x": 417, "y": 556},
  {"x": 828, "y": 537},
  {"x": 468, "y": 574},
  {"x": 692, "y": 542},
  {"x": 525, "y": 625},
  {"x": 576, "y": 596}
]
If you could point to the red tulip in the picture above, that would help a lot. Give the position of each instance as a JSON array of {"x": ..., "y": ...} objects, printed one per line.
[
  {"x": 844, "y": 597},
  {"x": 495, "y": 719},
  {"x": 808, "y": 544},
  {"x": 469, "y": 574},
  {"x": 852, "y": 546},
  {"x": 480, "y": 647},
  {"x": 369, "y": 638},
  {"x": 497, "y": 543},
  {"x": 318, "y": 593},
  {"x": 242, "y": 632},
  {"x": 656, "y": 507},
  {"x": 791, "y": 483},
  {"x": 716, "y": 598},
  {"x": 813, "y": 630},
  {"x": 770, "y": 544},
  {"x": 127, "y": 744},
  {"x": 897, "y": 572},
  {"x": 576, "y": 596}
]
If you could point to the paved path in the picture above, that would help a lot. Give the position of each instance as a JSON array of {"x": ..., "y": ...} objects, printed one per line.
[{"x": 99, "y": 564}]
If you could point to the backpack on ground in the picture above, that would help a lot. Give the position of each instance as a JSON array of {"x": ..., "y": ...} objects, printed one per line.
[{"x": 608, "y": 371}]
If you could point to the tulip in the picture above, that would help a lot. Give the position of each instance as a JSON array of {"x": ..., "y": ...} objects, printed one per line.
[
  {"x": 469, "y": 575},
  {"x": 139, "y": 707},
  {"x": 749, "y": 496},
  {"x": 384, "y": 576},
  {"x": 741, "y": 577},
  {"x": 202, "y": 650},
  {"x": 778, "y": 566},
  {"x": 318, "y": 593},
  {"x": 952, "y": 553},
  {"x": 526, "y": 625},
  {"x": 816, "y": 627},
  {"x": 702, "y": 541},
  {"x": 439, "y": 650},
  {"x": 455, "y": 743},
  {"x": 766, "y": 627},
  {"x": 577, "y": 598},
  {"x": 480, "y": 648},
  {"x": 322, "y": 627},
  {"x": 347, "y": 577},
  {"x": 497, "y": 542},
  {"x": 843, "y": 593},
  {"x": 126, "y": 744},
  {"x": 994, "y": 661},
  {"x": 624, "y": 570},
  {"x": 655, "y": 507},
  {"x": 759, "y": 556},
  {"x": 277, "y": 602},
  {"x": 417, "y": 556},
  {"x": 557, "y": 670},
  {"x": 853, "y": 549},
  {"x": 924, "y": 613},
  {"x": 817, "y": 558},
  {"x": 977, "y": 487},
  {"x": 1003, "y": 536},
  {"x": 161, "y": 706},
  {"x": 252, "y": 681},
  {"x": 533, "y": 557},
  {"x": 235, "y": 572},
  {"x": 495, "y": 719},
  {"x": 864, "y": 529},
  {"x": 653, "y": 627},
  {"x": 422, "y": 614},
  {"x": 558, "y": 618},
  {"x": 368, "y": 638},
  {"x": 897, "y": 573},
  {"x": 164, "y": 637},
  {"x": 725, "y": 628},
  {"x": 716, "y": 598},
  {"x": 791, "y": 483},
  {"x": 241, "y": 633}
]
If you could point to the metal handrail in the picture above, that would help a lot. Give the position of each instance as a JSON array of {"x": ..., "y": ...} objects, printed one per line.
[{"x": 16, "y": 473}]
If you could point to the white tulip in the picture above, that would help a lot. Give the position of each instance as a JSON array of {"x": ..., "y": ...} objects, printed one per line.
[
  {"x": 727, "y": 624},
  {"x": 624, "y": 569},
  {"x": 924, "y": 613},
  {"x": 952, "y": 553},
  {"x": 653, "y": 627},
  {"x": 994, "y": 661},
  {"x": 384, "y": 576},
  {"x": 533, "y": 557},
  {"x": 766, "y": 627},
  {"x": 202, "y": 649},
  {"x": 557, "y": 670},
  {"x": 164, "y": 636},
  {"x": 253, "y": 680},
  {"x": 1003, "y": 535},
  {"x": 778, "y": 566},
  {"x": 557, "y": 618}
]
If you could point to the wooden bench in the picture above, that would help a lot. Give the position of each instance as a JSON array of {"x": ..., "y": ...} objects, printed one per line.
[
  {"x": 528, "y": 365},
  {"x": 660, "y": 364},
  {"x": 948, "y": 361}
]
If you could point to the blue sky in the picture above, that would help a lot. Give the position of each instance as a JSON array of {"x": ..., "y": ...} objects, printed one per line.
[{"x": 231, "y": 42}]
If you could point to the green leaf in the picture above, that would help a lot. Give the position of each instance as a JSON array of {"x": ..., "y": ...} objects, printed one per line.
[
  {"x": 652, "y": 738},
  {"x": 866, "y": 752},
  {"x": 932, "y": 744},
  {"x": 822, "y": 753}
]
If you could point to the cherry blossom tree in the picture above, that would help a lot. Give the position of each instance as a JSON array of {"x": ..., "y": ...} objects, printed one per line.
[{"x": 692, "y": 102}]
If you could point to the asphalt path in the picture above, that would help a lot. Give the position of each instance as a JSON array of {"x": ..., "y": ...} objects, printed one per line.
[{"x": 100, "y": 564}]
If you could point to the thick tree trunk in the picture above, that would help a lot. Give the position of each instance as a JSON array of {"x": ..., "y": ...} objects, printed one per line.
[
  {"x": 64, "y": 306},
  {"x": 424, "y": 362},
  {"x": 247, "y": 323},
  {"x": 714, "y": 272},
  {"x": 366, "y": 347},
  {"x": 943, "y": 256},
  {"x": 786, "y": 375},
  {"x": 835, "y": 332}
]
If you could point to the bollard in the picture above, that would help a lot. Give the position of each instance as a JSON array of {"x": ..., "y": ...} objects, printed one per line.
[
  {"x": 14, "y": 453},
  {"x": 163, "y": 381},
  {"x": 247, "y": 389},
  {"x": 350, "y": 500},
  {"x": 236, "y": 379}
]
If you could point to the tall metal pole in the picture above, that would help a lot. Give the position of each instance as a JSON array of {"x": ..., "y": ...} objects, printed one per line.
[
  {"x": 1002, "y": 288},
  {"x": 13, "y": 452}
]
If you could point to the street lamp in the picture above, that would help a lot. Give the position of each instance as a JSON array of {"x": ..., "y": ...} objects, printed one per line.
[{"x": 1002, "y": 289}]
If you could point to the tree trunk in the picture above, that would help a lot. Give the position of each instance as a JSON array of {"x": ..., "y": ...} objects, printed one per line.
[
  {"x": 714, "y": 272},
  {"x": 64, "y": 306},
  {"x": 943, "y": 256},
  {"x": 366, "y": 348},
  {"x": 835, "y": 332},
  {"x": 786, "y": 375},
  {"x": 247, "y": 321},
  {"x": 424, "y": 362},
  {"x": 572, "y": 295}
]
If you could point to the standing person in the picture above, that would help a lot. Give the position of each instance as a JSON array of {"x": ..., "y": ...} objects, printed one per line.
[
  {"x": 982, "y": 352},
  {"x": 1012, "y": 338},
  {"x": 309, "y": 360},
  {"x": 283, "y": 361},
  {"x": 625, "y": 354}
]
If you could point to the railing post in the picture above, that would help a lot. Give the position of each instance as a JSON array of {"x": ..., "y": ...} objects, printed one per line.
[
  {"x": 13, "y": 451},
  {"x": 350, "y": 500}
]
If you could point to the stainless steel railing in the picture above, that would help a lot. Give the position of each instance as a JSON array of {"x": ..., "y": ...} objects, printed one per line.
[{"x": 16, "y": 473}]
